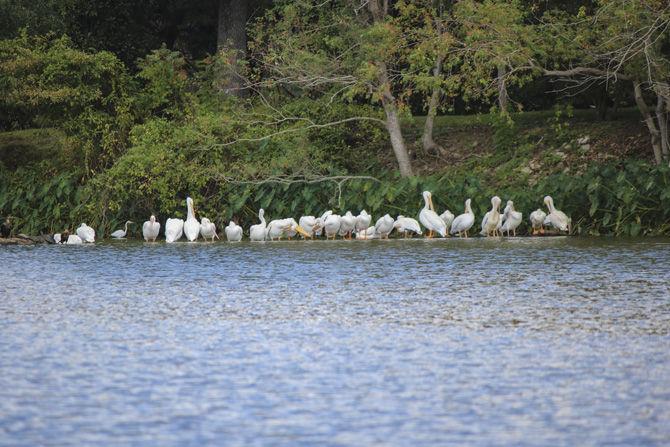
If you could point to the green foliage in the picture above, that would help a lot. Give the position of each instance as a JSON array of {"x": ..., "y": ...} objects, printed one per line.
[{"x": 164, "y": 77}]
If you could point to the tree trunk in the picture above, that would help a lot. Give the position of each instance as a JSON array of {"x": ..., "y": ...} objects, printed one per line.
[
  {"x": 429, "y": 145},
  {"x": 662, "y": 119},
  {"x": 379, "y": 12},
  {"x": 503, "y": 99},
  {"x": 649, "y": 121},
  {"x": 232, "y": 35}
]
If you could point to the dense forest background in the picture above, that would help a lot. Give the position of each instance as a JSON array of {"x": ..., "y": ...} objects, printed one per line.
[{"x": 112, "y": 110}]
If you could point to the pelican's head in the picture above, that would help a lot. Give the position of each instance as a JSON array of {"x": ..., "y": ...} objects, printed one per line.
[
  {"x": 467, "y": 203},
  {"x": 364, "y": 213},
  {"x": 152, "y": 219},
  {"x": 548, "y": 201},
  {"x": 428, "y": 199},
  {"x": 205, "y": 221},
  {"x": 495, "y": 201},
  {"x": 348, "y": 214},
  {"x": 261, "y": 213}
]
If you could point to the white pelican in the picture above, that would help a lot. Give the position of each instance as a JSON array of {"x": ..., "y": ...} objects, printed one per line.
[
  {"x": 174, "y": 229},
  {"x": 362, "y": 223},
  {"x": 86, "y": 233},
  {"x": 331, "y": 224},
  {"x": 284, "y": 228},
  {"x": 513, "y": 219},
  {"x": 275, "y": 229},
  {"x": 191, "y": 225},
  {"x": 310, "y": 224},
  {"x": 463, "y": 222},
  {"x": 384, "y": 226},
  {"x": 430, "y": 219},
  {"x": 537, "y": 221},
  {"x": 492, "y": 218},
  {"x": 233, "y": 232},
  {"x": 208, "y": 229},
  {"x": 73, "y": 239},
  {"x": 448, "y": 218},
  {"x": 556, "y": 218},
  {"x": 368, "y": 233},
  {"x": 347, "y": 225},
  {"x": 257, "y": 232},
  {"x": 121, "y": 234},
  {"x": 150, "y": 229},
  {"x": 405, "y": 225}
]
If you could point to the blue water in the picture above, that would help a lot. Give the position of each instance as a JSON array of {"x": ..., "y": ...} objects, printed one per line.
[{"x": 549, "y": 341}]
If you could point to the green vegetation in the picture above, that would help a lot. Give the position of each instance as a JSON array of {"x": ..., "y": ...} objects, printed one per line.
[{"x": 331, "y": 122}]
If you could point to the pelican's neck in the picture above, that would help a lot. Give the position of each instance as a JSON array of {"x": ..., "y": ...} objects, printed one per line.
[
  {"x": 189, "y": 205},
  {"x": 261, "y": 216},
  {"x": 550, "y": 205},
  {"x": 152, "y": 219},
  {"x": 426, "y": 202},
  {"x": 468, "y": 209}
]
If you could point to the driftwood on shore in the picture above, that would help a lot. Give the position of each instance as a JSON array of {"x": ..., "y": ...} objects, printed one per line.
[{"x": 23, "y": 239}]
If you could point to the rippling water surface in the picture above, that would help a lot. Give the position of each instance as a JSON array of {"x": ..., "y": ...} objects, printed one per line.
[{"x": 548, "y": 341}]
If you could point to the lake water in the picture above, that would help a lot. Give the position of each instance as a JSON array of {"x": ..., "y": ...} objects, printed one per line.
[{"x": 546, "y": 341}]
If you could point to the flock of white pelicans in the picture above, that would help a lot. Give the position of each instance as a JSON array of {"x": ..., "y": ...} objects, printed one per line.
[{"x": 348, "y": 226}]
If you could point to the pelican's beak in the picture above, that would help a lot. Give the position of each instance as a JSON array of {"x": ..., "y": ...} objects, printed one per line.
[
  {"x": 430, "y": 200},
  {"x": 302, "y": 231}
]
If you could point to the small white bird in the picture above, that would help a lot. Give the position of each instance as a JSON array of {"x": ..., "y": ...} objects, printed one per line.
[
  {"x": 537, "y": 221},
  {"x": 233, "y": 232},
  {"x": 257, "y": 232},
  {"x": 512, "y": 219},
  {"x": 56, "y": 237},
  {"x": 406, "y": 226},
  {"x": 384, "y": 226},
  {"x": 492, "y": 218},
  {"x": 347, "y": 225},
  {"x": 174, "y": 229},
  {"x": 208, "y": 229},
  {"x": 555, "y": 218},
  {"x": 448, "y": 218},
  {"x": 331, "y": 224},
  {"x": 151, "y": 229},
  {"x": 73, "y": 239},
  {"x": 121, "y": 234},
  {"x": 86, "y": 233},
  {"x": 191, "y": 225},
  {"x": 429, "y": 217},
  {"x": 463, "y": 222},
  {"x": 362, "y": 224}
]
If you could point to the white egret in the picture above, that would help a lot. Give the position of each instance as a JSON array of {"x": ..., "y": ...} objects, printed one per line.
[
  {"x": 463, "y": 222},
  {"x": 492, "y": 218},
  {"x": 86, "y": 233},
  {"x": 257, "y": 232},
  {"x": 233, "y": 232},
  {"x": 347, "y": 225},
  {"x": 407, "y": 225},
  {"x": 208, "y": 229},
  {"x": 191, "y": 225},
  {"x": 430, "y": 219},
  {"x": 121, "y": 234},
  {"x": 556, "y": 218},
  {"x": 513, "y": 219},
  {"x": 384, "y": 226},
  {"x": 362, "y": 223},
  {"x": 151, "y": 229},
  {"x": 174, "y": 229},
  {"x": 537, "y": 221}
]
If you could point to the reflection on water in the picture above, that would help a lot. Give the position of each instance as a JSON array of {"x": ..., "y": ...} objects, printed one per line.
[{"x": 548, "y": 341}]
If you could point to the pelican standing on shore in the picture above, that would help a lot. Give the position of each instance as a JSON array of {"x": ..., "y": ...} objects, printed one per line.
[
  {"x": 174, "y": 230},
  {"x": 233, "y": 232},
  {"x": 429, "y": 217},
  {"x": 208, "y": 229},
  {"x": 150, "y": 229},
  {"x": 555, "y": 218},
  {"x": 491, "y": 220},
  {"x": 537, "y": 221},
  {"x": 347, "y": 225},
  {"x": 384, "y": 226},
  {"x": 257, "y": 232},
  {"x": 86, "y": 233},
  {"x": 513, "y": 219},
  {"x": 406, "y": 226},
  {"x": 362, "y": 224},
  {"x": 331, "y": 224},
  {"x": 191, "y": 225},
  {"x": 448, "y": 218},
  {"x": 463, "y": 222}
]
